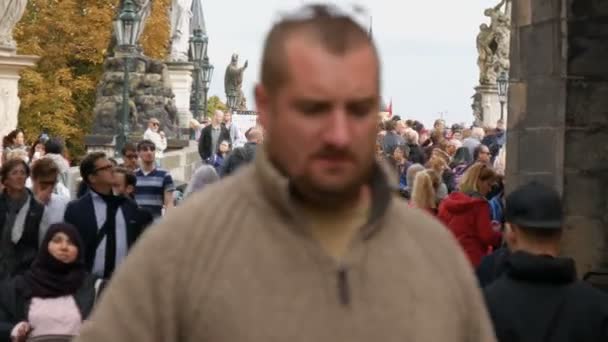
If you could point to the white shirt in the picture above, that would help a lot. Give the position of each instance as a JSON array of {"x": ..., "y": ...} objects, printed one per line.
[
  {"x": 159, "y": 142},
  {"x": 53, "y": 213},
  {"x": 121, "y": 236}
]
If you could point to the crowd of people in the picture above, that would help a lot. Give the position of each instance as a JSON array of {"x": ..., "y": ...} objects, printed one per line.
[
  {"x": 59, "y": 249},
  {"x": 344, "y": 228}
]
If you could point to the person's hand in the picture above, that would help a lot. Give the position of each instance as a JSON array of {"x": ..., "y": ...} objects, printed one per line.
[
  {"x": 162, "y": 134},
  {"x": 20, "y": 332},
  {"x": 496, "y": 226}
]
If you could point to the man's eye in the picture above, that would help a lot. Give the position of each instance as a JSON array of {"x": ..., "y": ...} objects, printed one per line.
[
  {"x": 359, "y": 109},
  {"x": 312, "y": 108}
]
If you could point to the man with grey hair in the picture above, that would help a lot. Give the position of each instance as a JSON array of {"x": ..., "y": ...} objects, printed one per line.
[
  {"x": 202, "y": 177},
  {"x": 212, "y": 135},
  {"x": 471, "y": 143},
  {"x": 416, "y": 153}
]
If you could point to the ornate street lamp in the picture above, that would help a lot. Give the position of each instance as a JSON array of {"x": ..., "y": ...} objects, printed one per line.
[
  {"x": 126, "y": 31},
  {"x": 207, "y": 75},
  {"x": 503, "y": 84},
  {"x": 198, "y": 49}
]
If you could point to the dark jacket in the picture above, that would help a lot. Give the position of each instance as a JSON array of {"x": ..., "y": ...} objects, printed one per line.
[
  {"x": 205, "y": 143},
  {"x": 540, "y": 300},
  {"x": 19, "y": 259},
  {"x": 449, "y": 179},
  {"x": 468, "y": 217},
  {"x": 15, "y": 303},
  {"x": 492, "y": 266},
  {"x": 416, "y": 154},
  {"x": 81, "y": 214},
  {"x": 239, "y": 157}
]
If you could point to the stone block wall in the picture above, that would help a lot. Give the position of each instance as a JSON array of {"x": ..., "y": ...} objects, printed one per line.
[{"x": 558, "y": 115}]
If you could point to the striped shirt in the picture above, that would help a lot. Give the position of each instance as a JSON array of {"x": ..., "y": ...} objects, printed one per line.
[{"x": 150, "y": 189}]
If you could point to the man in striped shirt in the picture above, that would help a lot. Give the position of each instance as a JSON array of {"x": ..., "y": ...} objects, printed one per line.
[{"x": 154, "y": 189}]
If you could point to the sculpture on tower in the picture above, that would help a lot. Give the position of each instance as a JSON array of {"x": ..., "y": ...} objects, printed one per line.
[
  {"x": 493, "y": 43},
  {"x": 180, "y": 16},
  {"x": 11, "y": 12},
  {"x": 233, "y": 82}
]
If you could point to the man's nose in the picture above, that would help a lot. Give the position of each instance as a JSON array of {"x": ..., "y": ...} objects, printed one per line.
[{"x": 337, "y": 132}]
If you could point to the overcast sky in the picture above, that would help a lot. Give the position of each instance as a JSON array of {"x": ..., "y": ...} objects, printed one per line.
[{"x": 427, "y": 49}]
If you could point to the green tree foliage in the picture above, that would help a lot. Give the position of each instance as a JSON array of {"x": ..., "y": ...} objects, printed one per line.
[
  {"x": 71, "y": 37},
  {"x": 214, "y": 103}
]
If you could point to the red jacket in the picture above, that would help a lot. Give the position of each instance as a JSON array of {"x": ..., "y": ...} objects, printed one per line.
[{"x": 469, "y": 220}]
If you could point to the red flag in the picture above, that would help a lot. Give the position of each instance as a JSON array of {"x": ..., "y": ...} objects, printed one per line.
[{"x": 389, "y": 109}]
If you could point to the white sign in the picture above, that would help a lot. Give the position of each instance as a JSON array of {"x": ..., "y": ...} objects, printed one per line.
[{"x": 243, "y": 121}]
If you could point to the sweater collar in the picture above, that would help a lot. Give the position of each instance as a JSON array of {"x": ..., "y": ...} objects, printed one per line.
[
  {"x": 541, "y": 268},
  {"x": 277, "y": 188}
]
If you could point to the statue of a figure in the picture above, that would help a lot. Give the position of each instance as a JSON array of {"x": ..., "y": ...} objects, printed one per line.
[
  {"x": 143, "y": 7},
  {"x": 11, "y": 12},
  {"x": 181, "y": 15},
  {"x": 485, "y": 49},
  {"x": 477, "y": 108},
  {"x": 233, "y": 81},
  {"x": 493, "y": 43}
]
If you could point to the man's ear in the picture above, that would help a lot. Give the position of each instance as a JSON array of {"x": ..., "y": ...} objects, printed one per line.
[
  {"x": 510, "y": 235},
  {"x": 262, "y": 102}
]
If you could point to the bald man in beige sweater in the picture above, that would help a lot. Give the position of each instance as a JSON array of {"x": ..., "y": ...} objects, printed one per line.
[{"x": 309, "y": 243}]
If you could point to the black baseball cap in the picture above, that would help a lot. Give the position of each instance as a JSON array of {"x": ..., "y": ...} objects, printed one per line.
[{"x": 534, "y": 206}]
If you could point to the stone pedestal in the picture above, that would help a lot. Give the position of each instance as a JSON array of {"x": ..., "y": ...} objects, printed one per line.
[
  {"x": 180, "y": 77},
  {"x": 10, "y": 66},
  {"x": 490, "y": 104},
  {"x": 558, "y": 126}
]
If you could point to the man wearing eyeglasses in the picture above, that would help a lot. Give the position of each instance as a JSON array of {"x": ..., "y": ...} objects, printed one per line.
[
  {"x": 309, "y": 242},
  {"x": 130, "y": 157},
  {"x": 45, "y": 174},
  {"x": 108, "y": 224},
  {"x": 154, "y": 134}
]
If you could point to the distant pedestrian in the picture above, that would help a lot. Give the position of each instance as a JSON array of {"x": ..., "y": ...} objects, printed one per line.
[
  {"x": 245, "y": 154},
  {"x": 154, "y": 134},
  {"x": 467, "y": 213},
  {"x": 203, "y": 176},
  {"x": 539, "y": 297},
  {"x": 212, "y": 135},
  {"x": 154, "y": 190}
]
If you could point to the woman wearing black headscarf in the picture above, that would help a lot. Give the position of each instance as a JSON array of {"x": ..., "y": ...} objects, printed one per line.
[{"x": 54, "y": 296}]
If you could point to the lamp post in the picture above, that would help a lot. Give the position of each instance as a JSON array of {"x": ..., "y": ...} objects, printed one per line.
[
  {"x": 198, "y": 48},
  {"x": 126, "y": 30},
  {"x": 207, "y": 75},
  {"x": 503, "y": 83}
]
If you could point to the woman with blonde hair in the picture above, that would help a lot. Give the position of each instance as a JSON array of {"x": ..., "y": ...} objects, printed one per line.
[
  {"x": 423, "y": 192},
  {"x": 467, "y": 213}
]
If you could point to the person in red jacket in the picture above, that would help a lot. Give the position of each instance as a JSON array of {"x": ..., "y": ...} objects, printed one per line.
[{"x": 467, "y": 213}]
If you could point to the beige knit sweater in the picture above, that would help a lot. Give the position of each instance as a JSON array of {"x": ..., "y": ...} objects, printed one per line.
[{"x": 234, "y": 263}]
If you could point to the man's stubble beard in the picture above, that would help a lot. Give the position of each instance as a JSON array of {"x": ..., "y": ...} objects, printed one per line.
[{"x": 308, "y": 190}]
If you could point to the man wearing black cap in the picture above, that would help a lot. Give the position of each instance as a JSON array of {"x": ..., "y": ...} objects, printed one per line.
[{"x": 539, "y": 297}]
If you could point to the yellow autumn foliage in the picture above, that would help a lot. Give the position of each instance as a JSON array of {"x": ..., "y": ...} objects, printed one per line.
[{"x": 72, "y": 38}]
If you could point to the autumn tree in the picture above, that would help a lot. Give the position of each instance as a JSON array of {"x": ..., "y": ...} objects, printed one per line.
[
  {"x": 72, "y": 37},
  {"x": 214, "y": 103}
]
